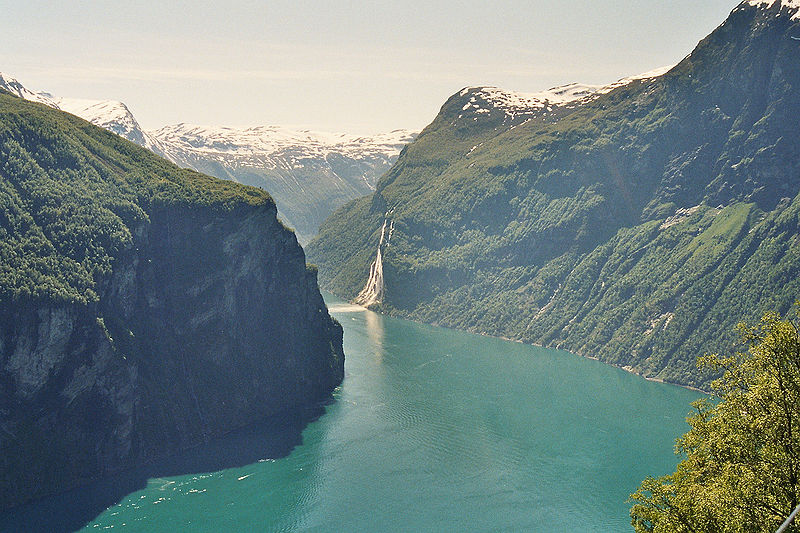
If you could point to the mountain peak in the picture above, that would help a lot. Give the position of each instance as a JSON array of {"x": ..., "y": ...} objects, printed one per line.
[
  {"x": 13, "y": 85},
  {"x": 482, "y": 99},
  {"x": 791, "y": 7},
  {"x": 112, "y": 115}
]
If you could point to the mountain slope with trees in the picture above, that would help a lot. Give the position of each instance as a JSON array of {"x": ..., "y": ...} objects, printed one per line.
[{"x": 635, "y": 226}]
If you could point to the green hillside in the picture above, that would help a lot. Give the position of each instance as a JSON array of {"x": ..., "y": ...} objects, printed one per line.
[
  {"x": 71, "y": 194},
  {"x": 636, "y": 228}
]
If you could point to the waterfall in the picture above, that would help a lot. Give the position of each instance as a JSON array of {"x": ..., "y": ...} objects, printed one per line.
[{"x": 372, "y": 293}]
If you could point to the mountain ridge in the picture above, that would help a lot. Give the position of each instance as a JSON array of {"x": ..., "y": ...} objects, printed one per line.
[{"x": 525, "y": 104}]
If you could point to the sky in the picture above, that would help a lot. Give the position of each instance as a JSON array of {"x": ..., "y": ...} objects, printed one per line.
[{"x": 351, "y": 66}]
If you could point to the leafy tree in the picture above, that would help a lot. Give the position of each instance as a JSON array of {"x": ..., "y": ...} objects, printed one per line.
[{"x": 741, "y": 470}]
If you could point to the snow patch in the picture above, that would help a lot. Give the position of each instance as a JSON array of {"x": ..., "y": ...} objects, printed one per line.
[
  {"x": 792, "y": 6},
  {"x": 515, "y": 104}
]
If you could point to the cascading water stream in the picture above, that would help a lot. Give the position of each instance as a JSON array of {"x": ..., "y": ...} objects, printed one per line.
[{"x": 372, "y": 292}]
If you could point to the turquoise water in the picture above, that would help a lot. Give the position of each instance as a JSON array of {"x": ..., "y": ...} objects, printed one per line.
[{"x": 432, "y": 430}]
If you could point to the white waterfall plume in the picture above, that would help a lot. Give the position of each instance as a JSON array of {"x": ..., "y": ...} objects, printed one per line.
[{"x": 372, "y": 293}]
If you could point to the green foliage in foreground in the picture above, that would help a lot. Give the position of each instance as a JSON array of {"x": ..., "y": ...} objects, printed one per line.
[
  {"x": 73, "y": 196},
  {"x": 742, "y": 467}
]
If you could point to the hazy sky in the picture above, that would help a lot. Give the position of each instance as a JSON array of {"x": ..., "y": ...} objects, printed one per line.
[{"x": 349, "y": 66}]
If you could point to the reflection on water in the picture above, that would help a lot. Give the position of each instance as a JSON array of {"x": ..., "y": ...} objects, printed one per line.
[
  {"x": 373, "y": 323},
  {"x": 268, "y": 440},
  {"x": 375, "y": 330}
]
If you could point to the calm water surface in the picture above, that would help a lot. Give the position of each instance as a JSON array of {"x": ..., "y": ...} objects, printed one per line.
[{"x": 432, "y": 430}]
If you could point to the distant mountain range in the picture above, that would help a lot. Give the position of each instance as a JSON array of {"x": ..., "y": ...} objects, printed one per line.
[
  {"x": 308, "y": 173},
  {"x": 636, "y": 223}
]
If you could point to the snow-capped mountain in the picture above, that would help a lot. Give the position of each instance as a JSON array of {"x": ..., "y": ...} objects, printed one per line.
[
  {"x": 109, "y": 114},
  {"x": 228, "y": 142},
  {"x": 515, "y": 105},
  {"x": 13, "y": 86},
  {"x": 112, "y": 115},
  {"x": 308, "y": 173}
]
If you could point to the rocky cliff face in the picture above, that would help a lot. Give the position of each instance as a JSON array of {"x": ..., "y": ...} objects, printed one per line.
[{"x": 207, "y": 320}]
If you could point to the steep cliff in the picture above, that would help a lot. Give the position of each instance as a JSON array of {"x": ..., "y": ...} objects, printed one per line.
[
  {"x": 636, "y": 225},
  {"x": 143, "y": 308}
]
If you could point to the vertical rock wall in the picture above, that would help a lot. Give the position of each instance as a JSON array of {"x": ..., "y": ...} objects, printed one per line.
[{"x": 208, "y": 322}]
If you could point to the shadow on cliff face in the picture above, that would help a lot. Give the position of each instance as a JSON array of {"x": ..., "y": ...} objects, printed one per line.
[{"x": 271, "y": 438}]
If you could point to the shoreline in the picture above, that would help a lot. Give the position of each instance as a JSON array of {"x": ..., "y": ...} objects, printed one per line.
[{"x": 349, "y": 307}]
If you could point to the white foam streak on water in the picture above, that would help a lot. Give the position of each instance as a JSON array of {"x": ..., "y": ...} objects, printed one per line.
[{"x": 346, "y": 308}]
